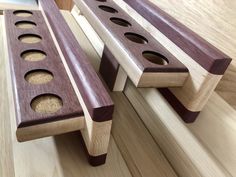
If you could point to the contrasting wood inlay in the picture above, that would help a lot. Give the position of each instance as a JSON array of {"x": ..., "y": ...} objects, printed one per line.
[
  {"x": 94, "y": 98},
  {"x": 24, "y": 91},
  {"x": 144, "y": 59},
  {"x": 208, "y": 56},
  {"x": 191, "y": 98}
]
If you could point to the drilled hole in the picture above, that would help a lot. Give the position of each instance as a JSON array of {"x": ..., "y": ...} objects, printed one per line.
[
  {"x": 108, "y": 9},
  {"x": 46, "y": 104},
  {"x": 155, "y": 58},
  {"x": 33, "y": 55},
  {"x": 30, "y": 38},
  {"x": 136, "y": 38},
  {"x": 25, "y": 24},
  {"x": 120, "y": 21},
  {"x": 38, "y": 77},
  {"x": 22, "y": 13}
]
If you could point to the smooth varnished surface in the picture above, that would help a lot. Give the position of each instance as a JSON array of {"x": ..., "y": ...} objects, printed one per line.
[
  {"x": 95, "y": 96},
  {"x": 25, "y": 93},
  {"x": 208, "y": 56}
]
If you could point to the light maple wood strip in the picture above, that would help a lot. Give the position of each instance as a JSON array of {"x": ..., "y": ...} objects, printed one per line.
[
  {"x": 6, "y": 160},
  {"x": 138, "y": 148},
  {"x": 58, "y": 157},
  {"x": 191, "y": 154}
]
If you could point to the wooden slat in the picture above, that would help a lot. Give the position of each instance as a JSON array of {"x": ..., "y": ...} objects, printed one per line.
[
  {"x": 96, "y": 99},
  {"x": 6, "y": 160},
  {"x": 32, "y": 124},
  {"x": 96, "y": 102},
  {"x": 188, "y": 155},
  {"x": 128, "y": 53}
]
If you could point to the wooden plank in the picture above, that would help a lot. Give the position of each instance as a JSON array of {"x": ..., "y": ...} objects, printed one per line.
[
  {"x": 192, "y": 97},
  {"x": 188, "y": 155},
  {"x": 96, "y": 102},
  {"x": 145, "y": 61},
  {"x": 34, "y": 121},
  {"x": 6, "y": 160}
]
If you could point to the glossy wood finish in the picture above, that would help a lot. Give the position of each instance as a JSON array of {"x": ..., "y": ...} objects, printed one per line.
[
  {"x": 128, "y": 42},
  {"x": 209, "y": 57},
  {"x": 25, "y": 92},
  {"x": 95, "y": 100},
  {"x": 95, "y": 96},
  {"x": 192, "y": 97}
]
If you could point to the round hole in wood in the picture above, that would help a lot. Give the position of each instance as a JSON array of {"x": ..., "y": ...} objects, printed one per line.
[
  {"x": 46, "y": 104},
  {"x": 25, "y": 24},
  {"x": 155, "y": 58},
  {"x": 137, "y": 38},
  {"x": 39, "y": 76},
  {"x": 33, "y": 55},
  {"x": 108, "y": 9},
  {"x": 120, "y": 21},
  {"x": 22, "y": 13},
  {"x": 30, "y": 38}
]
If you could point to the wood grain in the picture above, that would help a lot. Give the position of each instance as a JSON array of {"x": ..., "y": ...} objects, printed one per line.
[
  {"x": 6, "y": 160},
  {"x": 130, "y": 134},
  {"x": 24, "y": 92},
  {"x": 128, "y": 53},
  {"x": 188, "y": 155},
  {"x": 208, "y": 56},
  {"x": 94, "y": 94},
  {"x": 218, "y": 28},
  {"x": 63, "y": 155},
  {"x": 204, "y": 133},
  {"x": 197, "y": 88},
  {"x": 64, "y": 4}
]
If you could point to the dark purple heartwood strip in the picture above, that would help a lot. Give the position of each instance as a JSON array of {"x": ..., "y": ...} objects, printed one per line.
[
  {"x": 109, "y": 68},
  {"x": 208, "y": 56},
  {"x": 187, "y": 115},
  {"x": 95, "y": 96},
  {"x": 23, "y": 91},
  {"x": 133, "y": 49}
]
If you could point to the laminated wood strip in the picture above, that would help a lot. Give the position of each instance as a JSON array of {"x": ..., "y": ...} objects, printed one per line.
[
  {"x": 208, "y": 56},
  {"x": 24, "y": 92},
  {"x": 191, "y": 98},
  {"x": 95, "y": 100},
  {"x": 94, "y": 94},
  {"x": 145, "y": 60}
]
